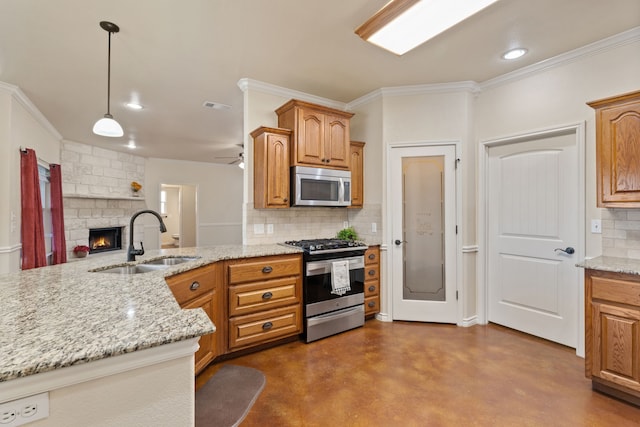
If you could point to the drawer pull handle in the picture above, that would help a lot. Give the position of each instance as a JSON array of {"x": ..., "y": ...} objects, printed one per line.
[
  {"x": 372, "y": 272},
  {"x": 372, "y": 256},
  {"x": 267, "y": 269},
  {"x": 267, "y": 326},
  {"x": 194, "y": 286},
  {"x": 267, "y": 295},
  {"x": 372, "y": 304},
  {"x": 372, "y": 288}
]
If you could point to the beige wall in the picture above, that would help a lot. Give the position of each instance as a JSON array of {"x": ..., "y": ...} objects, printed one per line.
[
  {"x": 425, "y": 114},
  {"x": 21, "y": 125},
  {"x": 288, "y": 224},
  {"x": 218, "y": 198},
  {"x": 557, "y": 96}
]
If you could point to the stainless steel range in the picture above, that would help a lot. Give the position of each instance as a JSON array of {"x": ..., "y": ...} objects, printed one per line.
[{"x": 333, "y": 286}]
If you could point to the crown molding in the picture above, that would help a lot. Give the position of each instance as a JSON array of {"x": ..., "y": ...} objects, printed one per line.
[
  {"x": 19, "y": 96},
  {"x": 246, "y": 84},
  {"x": 464, "y": 86},
  {"x": 609, "y": 43}
]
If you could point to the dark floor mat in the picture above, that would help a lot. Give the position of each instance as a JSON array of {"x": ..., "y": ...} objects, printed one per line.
[{"x": 227, "y": 397}]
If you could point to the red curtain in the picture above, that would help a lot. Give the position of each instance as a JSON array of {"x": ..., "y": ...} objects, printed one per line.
[
  {"x": 33, "y": 250},
  {"x": 57, "y": 216}
]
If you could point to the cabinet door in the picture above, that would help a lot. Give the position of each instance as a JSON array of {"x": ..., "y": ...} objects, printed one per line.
[
  {"x": 616, "y": 342},
  {"x": 357, "y": 174},
  {"x": 271, "y": 167},
  {"x": 310, "y": 137},
  {"x": 277, "y": 171},
  {"x": 208, "y": 343},
  {"x": 620, "y": 153},
  {"x": 336, "y": 146}
]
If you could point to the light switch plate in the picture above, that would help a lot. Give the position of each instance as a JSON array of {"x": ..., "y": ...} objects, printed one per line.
[{"x": 596, "y": 226}]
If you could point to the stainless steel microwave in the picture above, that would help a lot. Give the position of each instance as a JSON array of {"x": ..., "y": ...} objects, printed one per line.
[{"x": 320, "y": 187}]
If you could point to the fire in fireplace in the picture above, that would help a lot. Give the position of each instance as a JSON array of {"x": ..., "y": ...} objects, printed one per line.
[{"x": 105, "y": 239}]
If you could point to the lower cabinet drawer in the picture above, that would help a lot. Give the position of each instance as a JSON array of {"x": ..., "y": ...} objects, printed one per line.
[
  {"x": 371, "y": 305},
  {"x": 371, "y": 288},
  {"x": 254, "y": 297},
  {"x": 616, "y": 290},
  {"x": 253, "y": 329}
]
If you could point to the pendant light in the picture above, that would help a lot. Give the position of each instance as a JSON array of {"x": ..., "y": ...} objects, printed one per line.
[{"x": 107, "y": 126}]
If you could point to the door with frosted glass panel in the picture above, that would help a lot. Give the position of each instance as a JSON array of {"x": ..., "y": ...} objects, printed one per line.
[{"x": 423, "y": 233}]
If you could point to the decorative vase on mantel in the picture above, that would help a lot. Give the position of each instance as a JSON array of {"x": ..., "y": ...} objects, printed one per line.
[{"x": 135, "y": 189}]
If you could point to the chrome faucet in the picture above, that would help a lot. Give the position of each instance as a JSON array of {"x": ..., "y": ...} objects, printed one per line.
[{"x": 132, "y": 252}]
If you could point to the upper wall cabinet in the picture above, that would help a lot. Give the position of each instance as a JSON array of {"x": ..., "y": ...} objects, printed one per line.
[
  {"x": 618, "y": 150},
  {"x": 320, "y": 135},
  {"x": 270, "y": 168},
  {"x": 357, "y": 174}
]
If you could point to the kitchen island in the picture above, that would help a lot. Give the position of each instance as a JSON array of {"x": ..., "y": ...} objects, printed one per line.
[
  {"x": 612, "y": 326},
  {"x": 90, "y": 337}
]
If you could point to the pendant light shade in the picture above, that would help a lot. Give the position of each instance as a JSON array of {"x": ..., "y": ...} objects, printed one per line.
[{"x": 107, "y": 126}]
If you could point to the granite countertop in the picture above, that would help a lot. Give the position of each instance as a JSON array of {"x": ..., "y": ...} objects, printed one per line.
[
  {"x": 63, "y": 315},
  {"x": 612, "y": 264}
]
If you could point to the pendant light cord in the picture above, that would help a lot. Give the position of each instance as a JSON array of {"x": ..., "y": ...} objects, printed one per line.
[{"x": 109, "y": 76}]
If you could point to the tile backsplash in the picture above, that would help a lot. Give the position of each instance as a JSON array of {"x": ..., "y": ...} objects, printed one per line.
[
  {"x": 621, "y": 233},
  {"x": 309, "y": 223}
]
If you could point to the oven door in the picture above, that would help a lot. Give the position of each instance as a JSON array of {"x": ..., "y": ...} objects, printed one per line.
[{"x": 318, "y": 296}]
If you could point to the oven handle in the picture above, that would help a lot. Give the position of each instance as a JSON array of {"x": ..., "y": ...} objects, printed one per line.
[{"x": 316, "y": 268}]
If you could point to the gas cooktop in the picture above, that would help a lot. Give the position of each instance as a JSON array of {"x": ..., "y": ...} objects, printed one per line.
[{"x": 326, "y": 245}]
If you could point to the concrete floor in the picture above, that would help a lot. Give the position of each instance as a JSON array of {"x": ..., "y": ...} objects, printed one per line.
[{"x": 415, "y": 374}]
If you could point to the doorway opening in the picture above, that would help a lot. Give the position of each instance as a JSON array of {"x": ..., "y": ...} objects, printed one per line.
[{"x": 178, "y": 210}]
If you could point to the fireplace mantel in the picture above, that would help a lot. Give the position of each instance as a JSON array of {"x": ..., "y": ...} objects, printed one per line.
[{"x": 102, "y": 197}]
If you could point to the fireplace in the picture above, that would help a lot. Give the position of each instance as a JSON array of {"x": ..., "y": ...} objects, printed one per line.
[{"x": 105, "y": 239}]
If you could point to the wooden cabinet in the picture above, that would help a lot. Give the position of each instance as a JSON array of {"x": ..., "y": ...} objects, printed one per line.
[
  {"x": 372, "y": 281},
  {"x": 264, "y": 297},
  {"x": 612, "y": 333},
  {"x": 320, "y": 135},
  {"x": 618, "y": 150},
  {"x": 199, "y": 289},
  {"x": 357, "y": 174},
  {"x": 270, "y": 168}
]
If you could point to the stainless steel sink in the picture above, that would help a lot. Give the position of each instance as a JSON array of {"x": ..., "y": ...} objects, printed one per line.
[
  {"x": 169, "y": 261},
  {"x": 133, "y": 269}
]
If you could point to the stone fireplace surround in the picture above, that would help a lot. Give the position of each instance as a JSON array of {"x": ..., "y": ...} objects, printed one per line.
[{"x": 96, "y": 187}]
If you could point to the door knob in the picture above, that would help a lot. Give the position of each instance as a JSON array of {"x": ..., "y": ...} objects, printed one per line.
[
  {"x": 568, "y": 250},
  {"x": 399, "y": 242}
]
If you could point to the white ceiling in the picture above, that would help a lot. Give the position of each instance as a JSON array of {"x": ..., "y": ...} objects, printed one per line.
[{"x": 175, "y": 54}]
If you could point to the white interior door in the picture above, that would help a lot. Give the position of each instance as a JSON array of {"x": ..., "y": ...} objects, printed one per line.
[
  {"x": 532, "y": 216},
  {"x": 423, "y": 231}
]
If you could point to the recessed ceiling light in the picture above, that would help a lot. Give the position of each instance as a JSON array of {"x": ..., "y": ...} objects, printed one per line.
[
  {"x": 134, "y": 106},
  {"x": 514, "y": 53},
  {"x": 216, "y": 105}
]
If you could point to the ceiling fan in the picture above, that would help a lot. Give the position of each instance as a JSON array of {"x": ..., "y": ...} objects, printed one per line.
[{"x": 239, "y": 159}]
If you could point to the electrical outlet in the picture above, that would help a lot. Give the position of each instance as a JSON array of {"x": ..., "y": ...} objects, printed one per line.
[
  {"x": 25, "y": 410},
  {"x": 269, "y": 228},
  {"x": 345, "y": 224},
  {"x": 374, "y": 227},
  {"x": 596, "y": 226}
]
